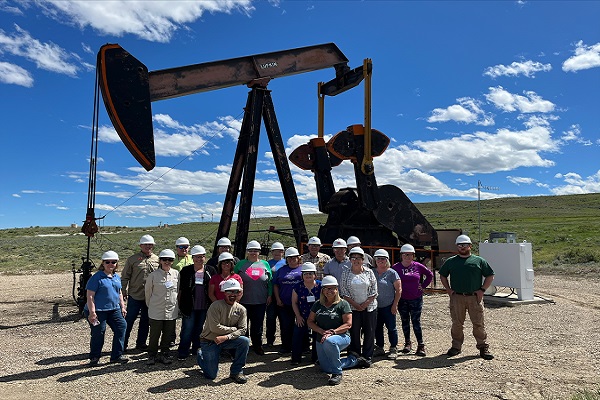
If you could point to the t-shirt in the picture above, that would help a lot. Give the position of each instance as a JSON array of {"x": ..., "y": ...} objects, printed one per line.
[
  {"x": 257, "y": 281},
  {"x": 414, "y": 279},
  {"x": 216, "y": 281},
  {"x": 330, "y": 317},
  {"x": 334, "y": 267},
  {"x": 285, "y": 279},
  {"x": 466, "y": 274},
  {"x": 385, "y": 287},
  {"x": 107, "y": 290}
]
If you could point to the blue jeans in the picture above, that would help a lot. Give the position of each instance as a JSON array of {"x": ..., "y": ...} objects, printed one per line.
[
  {"x": 208, "y": 356},
  {"x": 385, "y": 317},
  {"x": 135, "y": 308},
  {"x": 410, "y": 310},
  {"x": 256, "y": 319},
  {"x": 114, "y": 319},
  {"x": 329, "y": 354},
  {"x": 191, "y": 328},
  {"x": 363, "y": 322}
]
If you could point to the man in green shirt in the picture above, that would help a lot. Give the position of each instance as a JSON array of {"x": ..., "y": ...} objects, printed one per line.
[{"x": 467, "y": 272}]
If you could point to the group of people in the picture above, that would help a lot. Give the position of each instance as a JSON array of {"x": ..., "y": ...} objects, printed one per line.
[{"x": 335, "y": 304}]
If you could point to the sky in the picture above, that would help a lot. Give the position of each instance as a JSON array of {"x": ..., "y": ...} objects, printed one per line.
[{"x": 479, "y": 98}]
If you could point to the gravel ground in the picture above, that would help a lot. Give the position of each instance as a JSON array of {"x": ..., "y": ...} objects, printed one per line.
[{"x": 543, "y": 351}]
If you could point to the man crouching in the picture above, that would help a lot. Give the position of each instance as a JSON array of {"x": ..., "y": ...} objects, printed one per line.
[{"x": 226, "y": 323}]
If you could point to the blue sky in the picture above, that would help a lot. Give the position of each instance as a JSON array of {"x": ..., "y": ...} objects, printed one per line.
[{"x": 505, "y": 92}]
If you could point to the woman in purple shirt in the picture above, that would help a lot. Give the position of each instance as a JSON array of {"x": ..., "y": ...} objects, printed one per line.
[{"x": 414, "y": 277}]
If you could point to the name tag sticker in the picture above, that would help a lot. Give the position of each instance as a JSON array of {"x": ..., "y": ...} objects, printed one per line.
[
  {"x": 310, "y": 299},
  {"x": 255, "y": 272},
  {"x": 199, "y": 281},
  {"x": 169, "y": 284}
]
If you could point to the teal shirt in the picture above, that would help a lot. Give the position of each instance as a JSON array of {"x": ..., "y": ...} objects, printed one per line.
[{"x": 466, "y": 274}]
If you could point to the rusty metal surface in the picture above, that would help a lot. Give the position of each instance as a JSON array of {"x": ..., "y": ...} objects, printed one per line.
[{"x": 174, "y": 82}]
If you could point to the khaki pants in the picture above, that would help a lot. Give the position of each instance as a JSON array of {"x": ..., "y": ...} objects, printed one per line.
[{"x": 459, "y": 305}]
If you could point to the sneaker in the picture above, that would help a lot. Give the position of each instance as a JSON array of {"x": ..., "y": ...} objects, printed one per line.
[
  {"x": 181, "y": 358},
  {"x": 453, "y": 351},
  {"x": 407, "y": 348},
  {"x": 164, "y": 359},
  {"x": 335, "y": 379},
  {"x": 421, "y": 350},
  {"x": 258, "y": 350},
  {"x": 295, "y": 362},
  {"x": 378, "y": 352},
  {"x": 121, "y": 360},
  {"x": 284, "y": 351},
  {"x": 94, "y": 362},
  {"x": 484, "y": 353},
  {"x": 362, "y": 362},
  {"x": 141, "y": 346},
  {"x": 393, "y": 350},
  {"x": 151, "y": 360},
  {"x": 239, "y": 378}
]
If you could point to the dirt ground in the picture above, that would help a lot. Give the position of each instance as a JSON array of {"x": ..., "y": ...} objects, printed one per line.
[{"x": 543, "y": 351}]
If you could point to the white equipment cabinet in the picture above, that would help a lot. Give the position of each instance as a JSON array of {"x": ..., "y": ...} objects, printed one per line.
[{"x": 512, "y": 264}]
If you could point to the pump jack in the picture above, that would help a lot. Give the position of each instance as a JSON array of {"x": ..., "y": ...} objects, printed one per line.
[{"x": 374, "y": 213}]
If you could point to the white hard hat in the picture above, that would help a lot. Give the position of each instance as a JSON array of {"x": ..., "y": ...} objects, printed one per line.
[
  {"x": 110, "y": 255},
  {"x": 353, "y": 240},
  {"x": 147, "y": 239},
  {"x": 253, "y": 245},
  {"x": 225, "y": 256},
  {"x": 314, "y": 240},
  {"x": 463, "y": 239},
  {"x": 407, "y": 248},
  {"x": 291, "y": 252},
  {"x": 277, "y": 246},
  {"x": 339, "y": 243},
  {"x": 197, "y": 250},
  {"x": 230, "y": 284},
  {"x": 329, "y": 280},
  {"x": 308, "y": 267},
  {"x": 357, "y": 250},
  {"x": 182, "y": 241},
  {"x": 224, "y": 242},
  {"x": 381, "y": 253},
  {"x": 166, "y": 253}
]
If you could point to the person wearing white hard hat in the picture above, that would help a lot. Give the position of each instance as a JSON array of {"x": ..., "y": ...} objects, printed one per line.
[
  {"x": 339, "y": 262},
  {"x": 414, "y": 277},
  {"x": 226, "y": 324},
  {"x": 276, "y": 261},
  {"x": 330, "y": 319},
  {"x": 161, "y": 290},
  {"x": 223, "y": 246},
  {"x": 388, "y": 294},
  {"x": 105, "y": 306},
  {"x": 470, "y": 276},
  {"x": 358, "y": 287},
  {"x": 182, "y": 258},
  {"x": 224, "y": 272},
  {"x": 258, "y": 291},
  {"x": 193, "y": 301},
  {"x": 284, "y": 281},
  {"x": 304, "y": 295},
  {"x": 353, "y": 242},
  {"x": 315, "y": 256},
  {"x": 136, "y": 270}
]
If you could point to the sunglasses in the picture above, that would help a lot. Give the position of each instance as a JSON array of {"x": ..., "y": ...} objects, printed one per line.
[
  {"x": 167, "y": 259},
  {"x": 329, "y": 288},
  {"x": 234, "y": 291},
  {"x": 463, "y": 245},
  {"x": 110, "y": 262},
  {"x": 356, "y": 258},
  {"x": 182, "y": 247}
]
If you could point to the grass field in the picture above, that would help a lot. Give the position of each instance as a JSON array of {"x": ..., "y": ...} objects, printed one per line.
[{"x": 564, "y": 232}]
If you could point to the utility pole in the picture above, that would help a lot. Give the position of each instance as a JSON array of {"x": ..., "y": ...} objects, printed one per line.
[{"x": 479, "y": 187}]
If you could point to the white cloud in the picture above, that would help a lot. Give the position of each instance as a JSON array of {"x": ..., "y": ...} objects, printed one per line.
[
  {"x": 467, "y": 110},
  {"x": 527, "y": 68},
  {"x": 575, "y": 184},
  {"x": 585, "y": 57},
  {"x": 47, "y": 56},
  {"x": 529, "y": 103},
  {"x": 14, "y": 75},
  {"x": 518, "y": 180},
  {"x": 154, "y": 21},
  {"x": 17, "y": 195}
]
